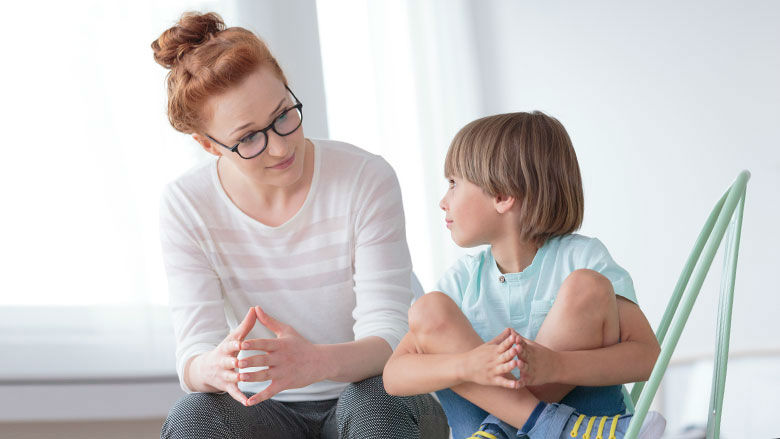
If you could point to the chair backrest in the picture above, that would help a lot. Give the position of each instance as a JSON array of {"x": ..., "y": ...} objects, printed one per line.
[{"x": 727, "y": 214}]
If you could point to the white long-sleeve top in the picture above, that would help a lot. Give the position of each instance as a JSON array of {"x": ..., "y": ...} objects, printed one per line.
[{"x": 339, "y": 270}]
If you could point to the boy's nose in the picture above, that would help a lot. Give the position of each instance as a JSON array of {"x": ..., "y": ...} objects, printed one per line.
[{"x": 443, "y": 204}]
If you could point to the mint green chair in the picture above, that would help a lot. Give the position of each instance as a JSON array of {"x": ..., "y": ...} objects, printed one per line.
[{"x": 726, "y": 216}]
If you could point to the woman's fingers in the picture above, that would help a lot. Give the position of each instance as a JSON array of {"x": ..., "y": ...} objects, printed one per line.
[
  {"x": 245, "y": 326},
  {"x": 261, "y": 344},
  {"x": 230, "y": 347},
  {"x": 229, "y": 362},
  {"x": 269, "y": 322},
  {"x": 229, "y": 376},
  {"x": 269, "y": 392},
  {"x": 233, "y": 391},
  {"x": 256, "y": 361},
  {"x": 261, "y": 375}
]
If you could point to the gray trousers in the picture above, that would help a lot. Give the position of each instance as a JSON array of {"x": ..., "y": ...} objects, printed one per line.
[{"x": 364, "y": 410}]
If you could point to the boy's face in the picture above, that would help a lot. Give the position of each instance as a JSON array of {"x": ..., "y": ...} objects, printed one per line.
[{"x": 470, "y": 213}]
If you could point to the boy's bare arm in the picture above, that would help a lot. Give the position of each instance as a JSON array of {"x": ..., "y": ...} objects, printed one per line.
[
  {"x": 631, "y": 360},
  {"x": 409, "y": 372}
]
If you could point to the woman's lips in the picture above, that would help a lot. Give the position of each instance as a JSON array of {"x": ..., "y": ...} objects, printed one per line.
[
  {"x": 285, "y": 164},
  {"x": 449, "y": 223}
]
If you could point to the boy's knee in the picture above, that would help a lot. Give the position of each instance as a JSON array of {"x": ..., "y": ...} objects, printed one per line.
[
  {"x": 430, "y": 312},
  {"x": 585, "y": 288}
]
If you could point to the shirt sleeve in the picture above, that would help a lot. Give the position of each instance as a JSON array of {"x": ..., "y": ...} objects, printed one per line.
[
  {"x": 382, "y": 264},
  {"x": 596, "y": 257},
  {"x": 454, "y": 281},
  {"x": 195, "y": 293}
]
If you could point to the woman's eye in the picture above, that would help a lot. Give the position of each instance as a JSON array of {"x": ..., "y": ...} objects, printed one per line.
[
  {"x": 249, "y": 137},
  {"x": 451, "y": 183},
  {"x": 282, "y": 117}
]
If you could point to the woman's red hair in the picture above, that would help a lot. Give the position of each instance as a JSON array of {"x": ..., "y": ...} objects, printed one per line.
[{"x": 206, "y": 59}]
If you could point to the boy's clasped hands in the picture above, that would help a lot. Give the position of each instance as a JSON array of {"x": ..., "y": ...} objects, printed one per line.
[{"x": 491, "y": 363}]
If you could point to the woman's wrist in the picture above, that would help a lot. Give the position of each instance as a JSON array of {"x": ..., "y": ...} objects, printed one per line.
[
  {"x": 194, "y": 377},
  {"x": 325, "y": 356}
]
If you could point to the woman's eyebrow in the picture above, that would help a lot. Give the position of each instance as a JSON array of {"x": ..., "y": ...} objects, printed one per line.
[{"x": 250, "y": 123}]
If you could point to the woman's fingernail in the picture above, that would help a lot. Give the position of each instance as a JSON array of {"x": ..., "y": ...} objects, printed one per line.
[{"x": 242, "y": 363}]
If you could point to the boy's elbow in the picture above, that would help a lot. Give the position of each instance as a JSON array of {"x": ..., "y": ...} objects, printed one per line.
[
  {"x": 653, "y": 351},
  {"x": 390, "y": 385},
  {"x": 392, "y": 391}
]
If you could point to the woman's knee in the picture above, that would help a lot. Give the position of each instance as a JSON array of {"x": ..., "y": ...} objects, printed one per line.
[
  {"x": 586, "y": 289},
  {"x": 431, "y": 312},
  {"x": 366, "y": 407},
  {"x": 193, "y": 415},
  {"x": 365, "y": 400}
]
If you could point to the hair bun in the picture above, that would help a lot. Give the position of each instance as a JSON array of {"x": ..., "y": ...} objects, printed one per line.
[{"x": 192, "y": 30}]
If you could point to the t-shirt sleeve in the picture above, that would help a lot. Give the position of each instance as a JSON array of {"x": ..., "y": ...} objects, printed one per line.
[
  {"x": 195, "y": 293},
  {"x": 383, "y": 265},
  {"x": 596, "y": 257},
  {"x": 454, "y": 281}
]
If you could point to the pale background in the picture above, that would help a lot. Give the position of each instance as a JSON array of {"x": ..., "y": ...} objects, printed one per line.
[{"x": 665, "y": 104}]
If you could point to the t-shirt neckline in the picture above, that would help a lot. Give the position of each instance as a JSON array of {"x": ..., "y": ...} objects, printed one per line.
[
  {"x": 316, "y": 150},
  {"x": 527, "y": 272}
]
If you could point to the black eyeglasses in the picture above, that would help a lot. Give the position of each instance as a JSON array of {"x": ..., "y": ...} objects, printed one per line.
[{"x": 254, "y": 143}]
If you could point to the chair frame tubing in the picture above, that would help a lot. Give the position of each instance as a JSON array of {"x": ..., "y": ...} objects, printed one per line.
[{"x": 727, "y": 214}]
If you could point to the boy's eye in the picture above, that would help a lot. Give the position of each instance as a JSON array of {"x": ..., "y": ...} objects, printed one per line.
[
  {"x": 282, "y": 117},
  {"x": 451, "y": 183}
]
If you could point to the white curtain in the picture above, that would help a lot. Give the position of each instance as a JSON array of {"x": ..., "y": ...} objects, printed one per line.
[
  {"x": 401, "y": 79},
  {"x": 88, "y": 147}
]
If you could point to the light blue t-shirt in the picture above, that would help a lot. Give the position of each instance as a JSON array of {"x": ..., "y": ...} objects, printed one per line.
[{"x": 522, "y": 300}]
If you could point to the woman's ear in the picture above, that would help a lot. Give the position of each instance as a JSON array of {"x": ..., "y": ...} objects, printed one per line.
[
  {"x": 503, "y": 203},
  {"x": 207, "y": 144}
]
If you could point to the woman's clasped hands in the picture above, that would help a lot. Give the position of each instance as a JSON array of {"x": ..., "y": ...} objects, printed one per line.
[{"x": 291, "y": 361}]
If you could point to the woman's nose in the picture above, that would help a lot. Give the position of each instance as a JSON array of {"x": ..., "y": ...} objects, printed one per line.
[
  {"x": 443, "y": 204},
  {"x": 277, "y": 147}
]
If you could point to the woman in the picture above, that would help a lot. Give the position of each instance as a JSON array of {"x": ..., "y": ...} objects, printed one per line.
[{"x": 303, "y": 238}]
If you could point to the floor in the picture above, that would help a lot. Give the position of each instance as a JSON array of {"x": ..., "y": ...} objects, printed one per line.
[{"x": 136, "y": 429}]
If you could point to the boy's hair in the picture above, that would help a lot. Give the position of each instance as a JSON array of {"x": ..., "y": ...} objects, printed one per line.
[{"x": 528, "y": 156}]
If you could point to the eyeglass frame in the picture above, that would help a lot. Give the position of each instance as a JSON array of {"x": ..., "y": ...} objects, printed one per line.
[{"x": 298, "y": 105}]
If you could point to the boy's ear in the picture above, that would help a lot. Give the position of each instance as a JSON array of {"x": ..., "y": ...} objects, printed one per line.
[
  {"x": 503, "y": 203},
  {"x": 207, "y": 144}
]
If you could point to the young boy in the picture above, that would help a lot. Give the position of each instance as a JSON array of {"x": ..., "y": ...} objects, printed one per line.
[{"x": 574, "y": 333}]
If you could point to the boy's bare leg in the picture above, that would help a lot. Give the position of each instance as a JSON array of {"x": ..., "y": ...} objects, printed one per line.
[
  {"x": 584, "y": 316},
  {"x": 439, "y": 327}
]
